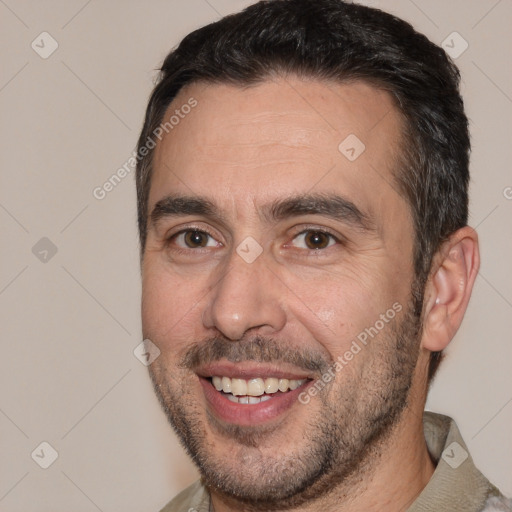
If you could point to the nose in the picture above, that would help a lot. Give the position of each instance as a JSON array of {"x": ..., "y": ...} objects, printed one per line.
[{"x": 246, "y": 297}]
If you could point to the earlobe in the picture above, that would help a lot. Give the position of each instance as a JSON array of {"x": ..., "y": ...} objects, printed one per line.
[{"x": 449, "y": 288}]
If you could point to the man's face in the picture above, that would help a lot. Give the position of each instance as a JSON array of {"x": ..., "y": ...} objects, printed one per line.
[{"x": 273, "y": 253}]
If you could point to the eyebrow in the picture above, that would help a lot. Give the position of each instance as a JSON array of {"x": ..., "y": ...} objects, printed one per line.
[
  {"x": 181, "y": 206},
  {"x": 333, "y": 206}
]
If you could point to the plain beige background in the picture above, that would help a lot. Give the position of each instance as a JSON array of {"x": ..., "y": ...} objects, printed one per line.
[{"x": 70, "y": 320}]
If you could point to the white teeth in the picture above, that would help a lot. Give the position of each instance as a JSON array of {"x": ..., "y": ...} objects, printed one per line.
[
  {"x": 232, "y": 398},
  {"x": 226, "y": 384},
  {"x": 283, "y": 385},
  {"x": 294, "y": 384},
  {"x": 248, "y": 400},
  {"x": 271, "y": 385},
  {"x": 254, "y": 388},
  {"x": 238, "y": 387},
  {"x": 217, "y": 382}
]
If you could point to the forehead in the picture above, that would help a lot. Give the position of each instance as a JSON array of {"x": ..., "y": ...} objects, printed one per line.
[{"x": 245, "y": 146}]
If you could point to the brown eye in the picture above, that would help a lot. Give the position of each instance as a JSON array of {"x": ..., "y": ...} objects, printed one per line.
[
  {"x": 195, "y": 239},
  {"x": 314, "y": 240},
  {"x": 317, "y": 240}
]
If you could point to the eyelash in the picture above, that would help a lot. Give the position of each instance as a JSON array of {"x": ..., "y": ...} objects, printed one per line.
[
  {"x": 181, "y": 250},
  {"x": 204, "y": 231},
  {"x": 313, "y": 229}
]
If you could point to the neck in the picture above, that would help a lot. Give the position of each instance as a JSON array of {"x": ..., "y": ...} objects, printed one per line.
[{"x": 393, "y": 477}]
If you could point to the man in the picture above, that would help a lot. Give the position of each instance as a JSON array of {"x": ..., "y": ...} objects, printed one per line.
[{"x": 302, "y": 199}]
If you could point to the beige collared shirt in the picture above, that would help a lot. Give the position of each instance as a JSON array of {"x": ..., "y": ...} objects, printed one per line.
[{"x": 455, "y": 486}]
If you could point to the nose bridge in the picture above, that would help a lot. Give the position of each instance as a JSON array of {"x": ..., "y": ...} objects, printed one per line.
[{"x": 246, "y": 296}]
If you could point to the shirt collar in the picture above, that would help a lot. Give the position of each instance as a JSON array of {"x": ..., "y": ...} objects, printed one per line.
[{"x": 456, "y": 483}]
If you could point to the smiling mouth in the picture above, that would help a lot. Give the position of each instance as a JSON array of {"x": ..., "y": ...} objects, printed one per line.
[{"x": 256, "y": 390}]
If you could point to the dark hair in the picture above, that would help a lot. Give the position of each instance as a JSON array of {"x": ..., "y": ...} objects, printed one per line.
[{"x": 341, "y": 41}]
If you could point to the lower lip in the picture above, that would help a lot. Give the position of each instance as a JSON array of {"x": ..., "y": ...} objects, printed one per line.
[{"x": 249, "y": 414}]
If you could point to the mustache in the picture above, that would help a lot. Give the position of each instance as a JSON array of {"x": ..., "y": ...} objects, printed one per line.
[{"x": 258, "y": 349}]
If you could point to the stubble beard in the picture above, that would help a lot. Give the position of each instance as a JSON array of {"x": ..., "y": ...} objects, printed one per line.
[{"x": 340, "y": 442}]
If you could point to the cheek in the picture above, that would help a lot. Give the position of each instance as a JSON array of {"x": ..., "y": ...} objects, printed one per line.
[
  {"x": 170, "y": 311},
  {"x": 337, "y": 308}
]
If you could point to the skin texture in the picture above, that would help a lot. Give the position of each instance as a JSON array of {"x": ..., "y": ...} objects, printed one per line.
[{"x": 358, "y": 444}]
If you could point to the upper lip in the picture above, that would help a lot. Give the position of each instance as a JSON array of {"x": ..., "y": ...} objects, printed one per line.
[{"x": 250, "y": 370}]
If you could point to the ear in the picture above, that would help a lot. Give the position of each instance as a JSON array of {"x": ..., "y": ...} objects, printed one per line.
[{"x": 449, "y": 287}]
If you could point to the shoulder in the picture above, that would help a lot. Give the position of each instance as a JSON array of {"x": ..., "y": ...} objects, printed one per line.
[
  {"x": 498, "y": 504},
  {"x": 193, "y": 499}
]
